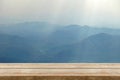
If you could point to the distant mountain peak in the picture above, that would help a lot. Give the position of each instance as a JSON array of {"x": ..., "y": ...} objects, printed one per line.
[
  {"x": 72, "y": 27},
  {"x": 98, "y": 37},
  {"x": 102, "y": 35}
]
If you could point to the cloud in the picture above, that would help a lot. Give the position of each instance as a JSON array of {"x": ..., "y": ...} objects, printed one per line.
[{"x": 83, "y": 12}]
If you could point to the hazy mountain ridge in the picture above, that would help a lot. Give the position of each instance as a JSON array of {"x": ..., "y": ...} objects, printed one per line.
[
  {"x": 97, "y": 48},
  {"x": 14, "y": 49},
  {"x": 38, "y": 42}
]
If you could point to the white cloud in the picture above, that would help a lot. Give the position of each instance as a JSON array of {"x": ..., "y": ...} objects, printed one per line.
[{"x": 84, "y": 12}]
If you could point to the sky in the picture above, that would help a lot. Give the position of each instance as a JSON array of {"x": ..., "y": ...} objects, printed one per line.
[{"x": 97, "y": 13}]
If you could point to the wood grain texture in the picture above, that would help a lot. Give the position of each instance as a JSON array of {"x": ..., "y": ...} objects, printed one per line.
[
  {"x": 61, "y": 69},
  {"x": 60, "y": 78}
]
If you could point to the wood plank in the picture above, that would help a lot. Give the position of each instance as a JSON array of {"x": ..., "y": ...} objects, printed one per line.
[
  {"x": 62, "y": 69},
  {"x": 60, "y": 65},
  {"x": 60, "y": 78}
]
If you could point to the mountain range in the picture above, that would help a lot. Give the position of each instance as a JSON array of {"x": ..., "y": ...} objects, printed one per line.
[{"x": 41, "y": 42}]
